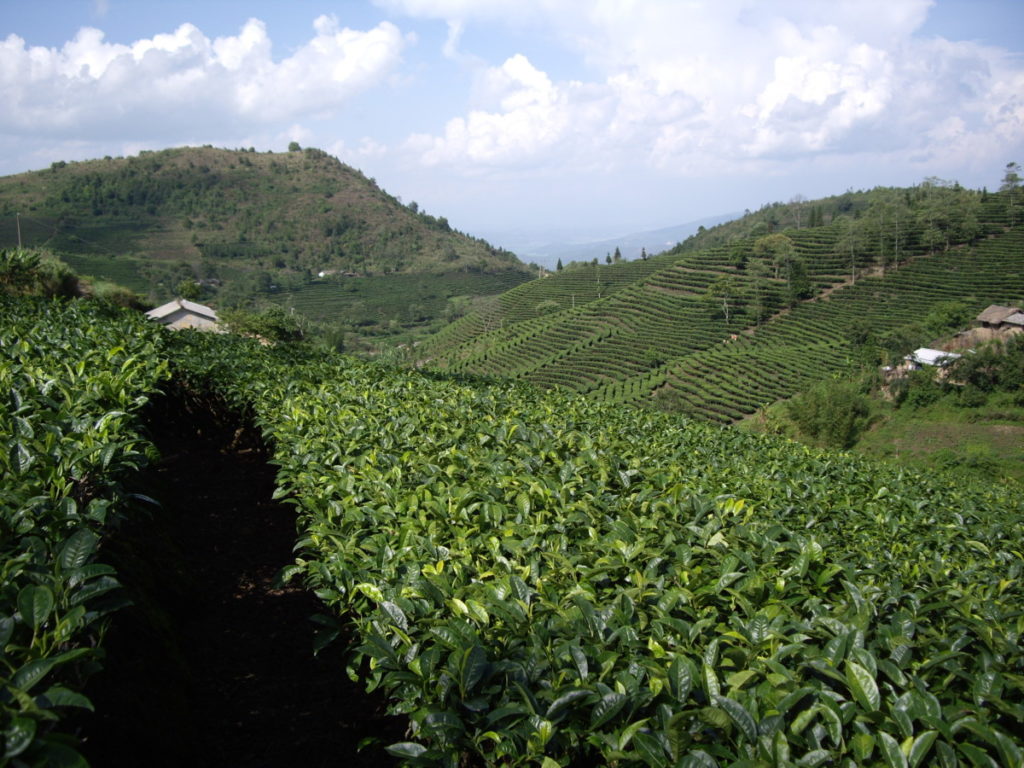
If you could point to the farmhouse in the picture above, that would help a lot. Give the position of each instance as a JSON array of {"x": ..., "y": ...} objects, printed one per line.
[
  {"x": 1014, "y": 323},
  {"x": 1001, "y": 318},
  {"x": 182, "y": 313}
]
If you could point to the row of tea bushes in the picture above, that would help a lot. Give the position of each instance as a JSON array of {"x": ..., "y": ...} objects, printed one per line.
[
  {"x": 544, "y": 580},
  {"x": 73, "y": 377}
]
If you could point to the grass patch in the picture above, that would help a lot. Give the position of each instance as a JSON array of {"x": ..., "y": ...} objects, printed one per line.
[
  {"x": 404, "y": 299},
  {"x": 987, "y": 441},
  {"x": 123, "y": 270}
]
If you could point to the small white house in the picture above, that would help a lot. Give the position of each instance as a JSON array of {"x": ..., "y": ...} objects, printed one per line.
[
  {"x": 934, "y": 357},
  {"x": 182, "y": 313}
]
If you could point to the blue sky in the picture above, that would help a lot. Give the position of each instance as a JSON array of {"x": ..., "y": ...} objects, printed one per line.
[{"x": 535, "y": 119}]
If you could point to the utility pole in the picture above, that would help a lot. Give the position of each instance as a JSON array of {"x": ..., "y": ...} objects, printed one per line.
[{"x": 17, "y": 219}]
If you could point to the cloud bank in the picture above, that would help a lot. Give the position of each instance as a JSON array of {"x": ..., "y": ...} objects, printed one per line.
[
  {"x": 156, "y": 88},
  {"x": 704, "y": 87}
]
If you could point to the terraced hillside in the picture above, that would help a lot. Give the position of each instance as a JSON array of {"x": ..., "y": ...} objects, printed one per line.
[
  {"x": 721, "y": 331},
  {"x": 729, "y": 381}
]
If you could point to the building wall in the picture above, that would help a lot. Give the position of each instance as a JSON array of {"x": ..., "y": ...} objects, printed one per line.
[{"x": 183, "y": 318}]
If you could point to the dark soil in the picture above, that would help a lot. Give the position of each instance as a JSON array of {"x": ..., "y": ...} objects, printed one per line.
[{"x": 213, "y": 665}]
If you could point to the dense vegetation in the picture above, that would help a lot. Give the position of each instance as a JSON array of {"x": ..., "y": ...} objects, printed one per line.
[
  {"x": 532, "y": 585},
  {"x": 529, "y": 583},
  {"x": 746, "y": 313},
  {"x": 235, "y": 228},
  {"x": 31, "y": 272},
  {"x": 73, "y": 378},
  {"x": 969, "y": 419},
  {"x": 525, "y": 580}
]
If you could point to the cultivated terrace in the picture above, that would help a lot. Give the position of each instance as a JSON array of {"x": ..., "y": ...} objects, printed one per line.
[{"x": 752, "y": 311}]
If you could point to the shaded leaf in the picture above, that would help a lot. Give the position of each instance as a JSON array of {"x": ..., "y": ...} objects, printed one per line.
[
  {"x": 35, "y": 602},
  {"x": 608, "y": 707}
]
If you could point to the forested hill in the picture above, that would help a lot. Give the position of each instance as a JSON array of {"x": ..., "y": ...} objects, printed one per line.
[
  {"x": 756, "y": 310},
  {"x": 299, "y": 212}
]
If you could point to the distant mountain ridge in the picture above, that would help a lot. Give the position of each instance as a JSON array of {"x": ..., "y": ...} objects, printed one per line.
[{"x": 548, "y": 252}]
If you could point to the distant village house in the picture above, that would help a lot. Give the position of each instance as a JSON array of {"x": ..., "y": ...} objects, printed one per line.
[
  {"x": 999, "y": 318},
  {"x": 182, "y": 313}
]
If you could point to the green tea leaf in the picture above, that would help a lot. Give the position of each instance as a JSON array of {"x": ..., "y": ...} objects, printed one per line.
[
  {"x": 396, "y": 614},
  {"x": 650, "y": 749},
  {"x": 740, "y": 716},
  {"x": 710, "y": 679},
  {"x": 473, "y": 668},
  {"x": 563, "y": 702},
  {"x": 77, "y": 550},
  {"x": 891, "y": 751},
  {"x": 18, "y": 736},
  {"x": 862, "y": 686},
  {"x": 920, "y": 747},
  {"x": 406, "y": 749},
  {"x": 20, "y": 458},
  {"x": 35, "y": 602},
  {"x": 814, "y": 758},
  {"x": 680, "y": 679},
  {"x": 698, "y": 758},
  {"x": 31, "y": 673},
  {"x": 580, "y": 660},
  {"x": 863, "y": 744},
  {"x": 58, "y": 696},
  {"x": 608, "y": 707},
  {"x": 1009, "y": 750},
  {"x": 371, "y": 591}
]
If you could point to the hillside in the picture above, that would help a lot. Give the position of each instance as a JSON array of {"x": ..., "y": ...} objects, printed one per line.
[
  {"x": 748, "y": 313},
  {"x": 245, "y": 225}
]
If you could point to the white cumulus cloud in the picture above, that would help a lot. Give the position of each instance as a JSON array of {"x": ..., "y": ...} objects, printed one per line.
[
  {"x": 183, "y": 80},
  {"x": 531, "y": 116},
  {"x": 708, "y": 85}
]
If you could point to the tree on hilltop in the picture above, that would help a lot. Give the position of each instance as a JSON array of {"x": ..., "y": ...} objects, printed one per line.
[
  {"x": 1011, "y": 186},
  {"x": 723, "y": 295},
  {"x": 776, "y": 249}
]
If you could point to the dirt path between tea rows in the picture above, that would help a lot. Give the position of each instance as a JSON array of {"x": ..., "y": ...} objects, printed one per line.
[{"x": 213, "y": 665}]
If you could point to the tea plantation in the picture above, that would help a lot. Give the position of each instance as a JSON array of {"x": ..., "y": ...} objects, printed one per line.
[
  {"x": 533, "y": 585},
  {"x": 559, "y": 578},
  {"x": 526, "y": 580}
]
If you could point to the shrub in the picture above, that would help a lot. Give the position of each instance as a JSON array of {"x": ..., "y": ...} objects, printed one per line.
[
  {"x": 921, "y": 389},
  {"x": 832, "y": 413},
  {"x": 971, "y": 397}
]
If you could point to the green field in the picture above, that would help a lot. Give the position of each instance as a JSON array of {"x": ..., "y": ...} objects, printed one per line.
[
  {"x": 406, "y": 299},
  {"x": 531, "y": 584}
]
